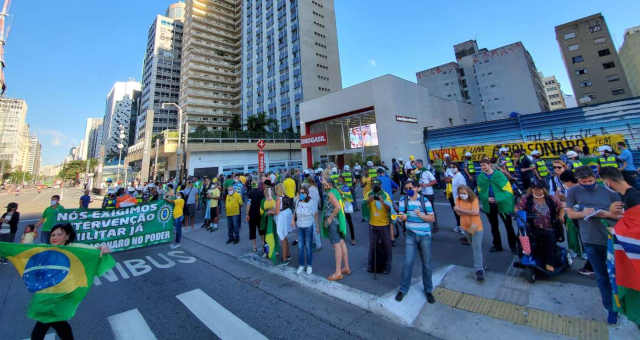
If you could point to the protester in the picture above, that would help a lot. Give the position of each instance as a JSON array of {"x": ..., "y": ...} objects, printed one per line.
[
  {"x": 573, "y": 161},
  {"x": 574, "y": 242},
  {"x": 347, "y": 198},
  {"x": 303, "y": 220},
  {"x": 284, "y": 213},
  {"x": 555, "y": 186},
  {"x": 233, "y": 202},
  {"x": 629, "y": 171},
  {"x": 417, "y": 213},
  {"x": 9, "y": 223},
  {"x": 387, "y": 184},
  {"x": 426, "y": 182},
  {"x": 213, "y": 194},
  {"x": 256, "y": 195},
  {"x": 49, "y": 218},
  {"x": 191, "y": 197},
  {"x": 468, "y": 207},
  {"x": 457, "y": 180},
  {"x": 614, "y": 179},
  {"x": 289, "y": 186},
  {"x": 178, "y": 216},
  {"x": 314, "y": 192},
  {"x": 85, "y": 200},
  {"x": 29, "y": 235},
  {"x": 379, "y": 205},
  {"x": 334, "y": 227},
  {"x": 590, "y": 202},
  {"x": 125, "y": 198},
  {"x": 496, "y": 198}
]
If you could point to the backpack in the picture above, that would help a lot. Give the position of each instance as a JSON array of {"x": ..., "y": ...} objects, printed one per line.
[{"x": 421, "y": 198}]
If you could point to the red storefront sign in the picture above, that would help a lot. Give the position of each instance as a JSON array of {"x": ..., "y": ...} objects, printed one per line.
[
  {"x": 261, "y": 161},
  {"x": 315, "y": 139}
]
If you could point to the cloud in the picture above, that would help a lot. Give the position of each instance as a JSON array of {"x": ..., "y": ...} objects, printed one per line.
[
  {"x": 372, "y": 63},
  {"x": 57, "y": 138}
]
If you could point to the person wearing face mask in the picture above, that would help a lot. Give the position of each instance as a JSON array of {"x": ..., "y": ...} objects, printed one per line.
[
  {"x": 457, "y": 180},
  {"x": 589, "y": 202},
  {"x": 303, "y": 221},
  {"x": 233, "y": 202},
  {"x": 380, "y": 210},
  {"x": 48, "y": 219},
  {"x": 468, "y": 207}
]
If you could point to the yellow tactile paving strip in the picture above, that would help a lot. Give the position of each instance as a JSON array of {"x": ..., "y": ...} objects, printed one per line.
[{"x": 520, "y": 315}]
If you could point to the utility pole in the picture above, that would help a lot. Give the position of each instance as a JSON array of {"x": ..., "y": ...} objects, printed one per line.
[
  {"x": 155, "y": 163},
  {"x": 120, "y": 147}
]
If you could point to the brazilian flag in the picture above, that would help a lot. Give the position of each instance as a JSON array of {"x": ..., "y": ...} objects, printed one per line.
[
  {"x": 268, "y": 225},
  {"x": 342, "y": 219},
  {"x": 502, "y": 192},
  {"x": 59, "y": 276}
]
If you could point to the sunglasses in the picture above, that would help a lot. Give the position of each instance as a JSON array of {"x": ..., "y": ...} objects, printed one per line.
[{"x": 558, "y": 167}]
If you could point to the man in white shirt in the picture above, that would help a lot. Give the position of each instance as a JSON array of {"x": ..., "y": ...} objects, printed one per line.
[
  {"x": 427, "y": 180},
  {"x": 457, "y": 180}
]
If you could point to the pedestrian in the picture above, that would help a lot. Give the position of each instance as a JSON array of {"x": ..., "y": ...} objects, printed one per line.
[
  {"x": 468, "y": 207},
  {"x": 29, "y": 235},
  {"x": 178, "y": 216},
  {"x": 457, "y": 180},
  {"x": 233, "y": 202},
  {"x": 388, "y": 185},
  {"x": 525, "y": 168},
  {"x": 303, "y": 221},
  {"x": 379, "y": 205},
  {"x": 85, "y": 200},
  {"x": 284, "y": 213},
  {"x": 213, "y": 194},
  {"x": 496, "y": 199},
  {"x": 555, "y": 186},
  {"x": 426, "y": 182},
  {"x": 614, "y": 179},
  {"x": 586, "y": 201},
  {"x": 314, "y": 192},
  {"x": 9, "y": 225},
  {"x": 48, "y": 219},
  {"x": 191, "y": 196},
  {"x": 334, "y": 227},
  {"x": 629, "y": 171},
  {"x": 347, "y": 198},
  {"x": 417, "y": 213},
  {"x": 256, "y": 195},
  {"x": 574, "y": 242}
]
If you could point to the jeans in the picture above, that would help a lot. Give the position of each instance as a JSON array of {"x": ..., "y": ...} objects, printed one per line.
[
  {"x": 317, "y": 239},
  {"x": 305, "y": 236},
  {"x": 44, "y": 236},
  {"x": 383, "y": 235},
  {"x": 233, "y": 225},
  {"x": 177, "y": 223},
  {"x": 495, "y": 227},
  {"x": 597, "y": 256},
  {"x": 476, "y": 247},
  {"x": 62, "y": 328},
  {"x": 422, "y": 245}
]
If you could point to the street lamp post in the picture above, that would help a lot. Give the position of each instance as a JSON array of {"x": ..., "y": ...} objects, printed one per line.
[
  {"x": 120, "y": 147},
  {"x": 179, "y": 151}
]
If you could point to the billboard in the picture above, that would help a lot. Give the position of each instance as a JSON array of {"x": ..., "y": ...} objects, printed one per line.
[{"x": 366, "y": 135}]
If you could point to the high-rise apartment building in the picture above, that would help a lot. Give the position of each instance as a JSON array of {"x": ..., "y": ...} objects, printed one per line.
[
  {"x": 161, "y": 71},
  {"x": 210, "y": 76},
  {"x": 553, "y": 92},
  {"x": 630, "y": 58},
  {"x": 92, "y": 138},
  {"x": 25, "y": 146},
  {"x": 35, "y": 150},
  {"x": 13, "y": 115},
  {"x": 290, "y": 55},
  {"x": 120, "y": 102},
  {"x": 496, "y": 82},
  {"x": 592, "y": 61}
]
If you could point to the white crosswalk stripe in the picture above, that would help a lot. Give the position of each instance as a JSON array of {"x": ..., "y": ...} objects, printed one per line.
[
  {"x": 50, "y": 336},
  {"x": 130, "y": 325},
  {"x": 218, "y": 319}
]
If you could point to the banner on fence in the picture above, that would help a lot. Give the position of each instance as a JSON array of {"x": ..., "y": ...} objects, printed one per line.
[
  {"x": 549, "y": 149},
  {"x": 122, "y": 229}
]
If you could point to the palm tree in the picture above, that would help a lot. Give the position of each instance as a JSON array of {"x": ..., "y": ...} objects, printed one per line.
[
  {"x": 236, "y": 123},
  {"x": 260, "y": 123}
]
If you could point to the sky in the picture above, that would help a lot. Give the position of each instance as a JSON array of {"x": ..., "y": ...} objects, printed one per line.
[{"x": 63, "y": 59}]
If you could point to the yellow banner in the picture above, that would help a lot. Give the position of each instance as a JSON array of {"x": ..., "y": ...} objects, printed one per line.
[{"x": 549, "y": 149}]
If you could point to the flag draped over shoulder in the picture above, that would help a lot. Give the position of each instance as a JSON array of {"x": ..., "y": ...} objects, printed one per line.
[
  {"x": 59, "y": 276},
  {"x": 267, "y": 224},
  {"x": 502, "y": 192},
  {"x": 341, "y": 218},
  {"x": 626, "y": 252}
]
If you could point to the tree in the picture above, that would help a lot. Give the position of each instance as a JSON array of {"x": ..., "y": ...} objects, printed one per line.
[
  {"x": 236, "y": 123},
  {"x": 200, "y": 132},
  {"x": 73, "y": 168},
  {"x": 17, "y": 176},
  {"x": 260, "y": 123}
]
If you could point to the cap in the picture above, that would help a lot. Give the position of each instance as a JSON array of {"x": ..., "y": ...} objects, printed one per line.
[
  {"x": 400, "y": 160},
  {"x": 334, "y": 170},
  {"x": 319, "y": 170},
  {"x": 572, "y": 154},
  {"x": 412, "y": 157},
  {"x": 130, "y": 189},
  {"x": 503, "y": 149},
  {"x": 535, "y": 153},
  {"x": 468, "y": 154},
  {"x": 604, "y": 148},
  {"x": 369, "y": 163},
  {"x": 306, "y": 171},
  {"x": 347, "y": 168}
]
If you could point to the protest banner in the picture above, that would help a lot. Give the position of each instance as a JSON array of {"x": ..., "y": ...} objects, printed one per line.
[
  {"x": 122, "y": 229},
  {"x": 551, "y": 149}
]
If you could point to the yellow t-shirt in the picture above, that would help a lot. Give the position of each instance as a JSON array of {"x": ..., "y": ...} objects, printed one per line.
[
  {"x": 214, "y": 193},
  {"x": 379, "y": 217},
  {"x": 233, "y": 203},
  {"x": 289, "y": 187},
  {"x": 243, "y": 179},
  {"x": 367, "y": 186},
  {"x": 178, "y": 206},
  {"x": 268, "y": 205}
]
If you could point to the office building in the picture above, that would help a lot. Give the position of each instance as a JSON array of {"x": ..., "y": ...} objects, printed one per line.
[
  {"x": 92, "y": 138},
  {"x": 569, "y": 100},
  {"x": 290, "y": 55},
  {"x": 13, "y": 116},
  {"x": 592, "y": 61},
  {"x": 161, "y": 72},
  {"x": 553, "y": 92},
  {"x": 630, "y": 58},
  {"x": 35, "y": 150},
  {"x": 496, "y": 82},
  {"x": 210, "y": 74},
  {"x": 120, "y": 102}
]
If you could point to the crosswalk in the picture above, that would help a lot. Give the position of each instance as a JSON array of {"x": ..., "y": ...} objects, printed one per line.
[{"x": 220, "y": 321}]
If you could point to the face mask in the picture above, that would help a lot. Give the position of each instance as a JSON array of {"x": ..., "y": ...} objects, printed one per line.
[
  {"x": 230, "y": 192},
  {"x": 376, "y": 188},
  {"x": 54, "y": 202},
  {"x": 454, "y": 170},
  {"x": 464, "y": 196},
  {"x": 538, "y": 196},
  {"x": 589, "y": 187},
  {"x": 303, "y": 197},
  {"x": 410, "y": 192}
]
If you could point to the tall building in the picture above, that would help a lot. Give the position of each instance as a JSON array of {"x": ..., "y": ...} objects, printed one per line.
[
  {"x": 161, "y": 71},
  {"x": 592, "y": 61},
  {"x": 120, "y": 102},
  {"x": 496, "y": 82},
  {"x": 35, "y": 150},
  {"x": 290, "y": 55},
  {"x": 630, "y": 58},
  {"x": 25, "y": 146},
  {"x": 92, "y": 138},
  {"x": 210, "y": 76},
  {"x": 136, "y": 102},
  {"x": 570, "y": 100},
  {"x": 13, "y": 115},
  {"x": 553, "y": 92}
]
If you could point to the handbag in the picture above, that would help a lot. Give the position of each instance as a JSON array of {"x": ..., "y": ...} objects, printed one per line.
[
  {"x": 525, "y": 243},
  {"x": 348, "y": 207}
]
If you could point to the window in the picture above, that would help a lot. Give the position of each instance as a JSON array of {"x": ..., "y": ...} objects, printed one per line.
[
  {"x": 581, "y": 71},
  {"x": 595, "y": 28},
  {"x": 599, "y": 41},
  {"x": 608, "y": 65},
  {"x": 585, "y": 84},
  {"x": 569, "y": 35},
  {"x": 617, "y": 92},
  {"x": 573, "y": 47},
  {"x": 613, "y": 78},
  {"x": 577, "y": 59},
  {"x": 604, "y": 52}
]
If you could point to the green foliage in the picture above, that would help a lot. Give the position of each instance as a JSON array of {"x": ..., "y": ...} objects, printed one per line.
[
  {"x": 236, "y": 123},
  {"x": 73, "y": 168},
  {"x": 17, "y": 176}
]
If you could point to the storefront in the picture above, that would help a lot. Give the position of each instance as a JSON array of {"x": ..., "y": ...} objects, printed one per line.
[{"x": 378, "y": 120}]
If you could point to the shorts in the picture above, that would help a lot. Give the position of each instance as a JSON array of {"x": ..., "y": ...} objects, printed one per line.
[
  {"x": 190, "y": 210},
  {"x": 334, "y": 235},
  {"x": 254, "y": 225},
  {"x": 213, "y": 213}
]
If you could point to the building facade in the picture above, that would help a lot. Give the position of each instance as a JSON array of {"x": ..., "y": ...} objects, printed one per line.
[
  {"x": 591, "y": 60},
  {"x": 13, "y": 115},
  {"x": 290, "y": 55},
  {"x": 92, "y": 138},
  {"x": 630, "y": 58},
  {"x": 210, "y": 74},
  {"x": 496, "y": 82},
  {"x": 120, "y": 102},
  {"x": 161, "y": 71},
  {"x": 35, "y": 155},
  {"x": 553, "y": 92}
]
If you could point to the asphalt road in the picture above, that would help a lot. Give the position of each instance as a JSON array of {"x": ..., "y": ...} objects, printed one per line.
[{"x": 193, "y": 292}]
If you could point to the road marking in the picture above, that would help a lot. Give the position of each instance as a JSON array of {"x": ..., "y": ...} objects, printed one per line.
[
  {"x": 217, "y": 318},
  {"x": 130, "y": 325},
  {"x": 30, "y": 220},
  {"x": 50, "y": 336}
]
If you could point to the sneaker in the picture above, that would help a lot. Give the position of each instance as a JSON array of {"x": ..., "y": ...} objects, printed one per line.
[
  {"x": 585, "y": 272},
  {"x": 300, "y": 269},
  {"x": 430, "y": 298},
  {"x": 457, "y": 229},
  {"x": 309, "y": 270},
  {"x": 480, "y": 275},
  {"x": 399, "y": 296},
  {"x": 612, "y": 319}
]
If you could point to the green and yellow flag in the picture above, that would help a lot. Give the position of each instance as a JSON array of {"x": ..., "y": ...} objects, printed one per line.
[
  {"x": 59, "y": 276},
  {"x": 502, "y": 192},
  {"x": 341, "y": 218},
  {"x": 267, "y": 224}
]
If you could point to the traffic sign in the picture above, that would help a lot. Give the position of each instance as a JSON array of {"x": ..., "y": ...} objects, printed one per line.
[
  {"x": 261, "y": 161},
  {"x": 261, "y": 144}
]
